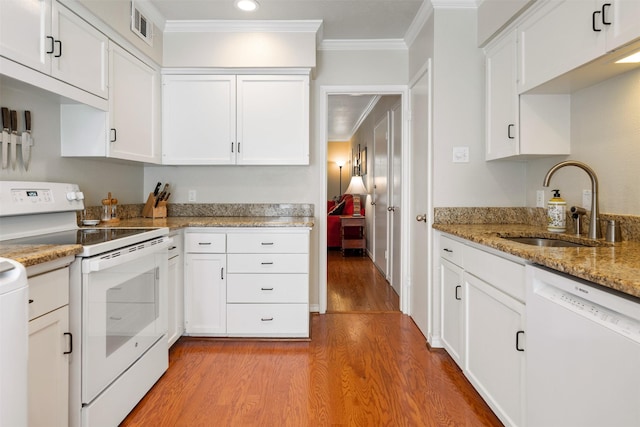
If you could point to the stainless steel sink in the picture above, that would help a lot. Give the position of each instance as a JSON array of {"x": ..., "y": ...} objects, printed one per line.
[{"x": 547, "y": 242}]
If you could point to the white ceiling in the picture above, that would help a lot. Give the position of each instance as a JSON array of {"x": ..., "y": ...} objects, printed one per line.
[
  {"x": 346, "y": 113},
  {"x": 342, "y": 19}
]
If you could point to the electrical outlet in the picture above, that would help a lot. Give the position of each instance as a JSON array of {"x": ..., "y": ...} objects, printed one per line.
[
  {"x": 586, "y": 199},
  {"x": 540, "y": 199},
  {"x": 192, "y": 195}
]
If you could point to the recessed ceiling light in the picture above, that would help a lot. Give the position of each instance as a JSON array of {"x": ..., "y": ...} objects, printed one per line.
[
  {"x": 631, "y": 59},
  {"x": 247, "y": 5}
]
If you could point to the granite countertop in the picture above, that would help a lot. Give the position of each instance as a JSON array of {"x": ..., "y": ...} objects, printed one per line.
[
  {"x": 31, "y": 254},
  {"x": 615, "y": 266},
  {"x": 175, "y": 223}
]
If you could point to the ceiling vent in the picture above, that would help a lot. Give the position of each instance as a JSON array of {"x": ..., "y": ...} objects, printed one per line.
[{"x": 141, "y": 26}]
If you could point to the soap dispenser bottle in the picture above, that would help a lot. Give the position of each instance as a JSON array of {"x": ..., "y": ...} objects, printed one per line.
[{"x": 557, "y": 213}]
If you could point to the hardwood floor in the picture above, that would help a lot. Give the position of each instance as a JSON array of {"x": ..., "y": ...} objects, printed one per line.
[
  {"x": 364, "y": 369},
  {"x": 354, "y": 284},
  {"x": 366, "y": 364}
]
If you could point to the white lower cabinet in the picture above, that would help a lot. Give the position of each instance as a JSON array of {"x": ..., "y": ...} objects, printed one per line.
[
  {"x": 268, "y": 284},
  {"x": 49, "y": 349},
  {"x": 205, "y": 290},
  {"x": 495, "y": 361},
  {"x": 247, "y": 283},
  {"x": 482, "y": 320},
  {"x": 452, "y": 303},
  {"x": 175, "y": 318}
]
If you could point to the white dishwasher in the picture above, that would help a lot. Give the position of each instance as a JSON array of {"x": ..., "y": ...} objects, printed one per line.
[
  {"x": 14, "y": 334},
  {"x": 583, "y": 354}
]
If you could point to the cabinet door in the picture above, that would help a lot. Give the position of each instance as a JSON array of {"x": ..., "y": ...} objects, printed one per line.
[
  {"x": 49, "y": 369},
  {"x": 273, "y": 120},
  {"x": 493, "y": 362},
  {"x": 24, "y": 27},
  {"x": 205, "y": 294},
  {"x": 624, "y": 16},
  {"x": 199, "y": 120},
  {"x": 176, "y": 299},
  {"x": 80, "y": 56},
  {"x": 134, "y": 108},
  {"x": 502, "y": 99},
  {"x": 452, "y": 310},
  {"x": 558, "y": 38}
]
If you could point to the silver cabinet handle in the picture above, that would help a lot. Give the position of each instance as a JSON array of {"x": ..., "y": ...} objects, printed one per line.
[{"x": 422, "y": 218}]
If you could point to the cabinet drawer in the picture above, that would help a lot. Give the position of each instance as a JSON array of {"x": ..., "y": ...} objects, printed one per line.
[
  {"x": 505, "y": 275},
  {"x": 451, "y": 250},
  {"x": 268, "y": 320},
  {"x": 267, "y": 288},
  {"x": 48, "y": 292},
  {"x": 268, "y": 263},
  {"x": 258, "y": 243},
  {"x": 205, "y": 242}
]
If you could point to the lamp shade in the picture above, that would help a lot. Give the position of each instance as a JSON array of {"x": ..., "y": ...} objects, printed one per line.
[{"x": 356, "y": 186}]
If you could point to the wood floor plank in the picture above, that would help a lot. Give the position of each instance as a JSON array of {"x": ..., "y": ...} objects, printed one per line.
[
  {"x": 358, "y": 370},
  {"x": 354, "y": 284}
]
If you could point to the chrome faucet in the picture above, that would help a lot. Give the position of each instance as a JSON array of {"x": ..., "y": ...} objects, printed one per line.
[{"x": 594, "y": 221}]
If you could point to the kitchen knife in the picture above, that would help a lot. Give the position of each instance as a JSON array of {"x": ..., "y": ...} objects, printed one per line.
[
  {"x": 162, "y": 194},
  {"x": 5, "y": 137},
  {"x": 26, "y": 141},
  {"x": 157, "y": 189},
  {"x": 13, "y": 150}
]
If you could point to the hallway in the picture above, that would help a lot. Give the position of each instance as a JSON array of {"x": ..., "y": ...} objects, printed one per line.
[{"x": 355, "y": 285}]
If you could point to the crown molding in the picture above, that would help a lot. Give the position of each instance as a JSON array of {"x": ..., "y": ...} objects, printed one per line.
[
  {"x": 223, "y": 26},
  {"x": 363, "y": 44},
  {"x": 425, "y": 11}
]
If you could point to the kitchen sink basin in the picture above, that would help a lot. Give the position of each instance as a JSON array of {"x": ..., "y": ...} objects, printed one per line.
[{"x": 547, "y": 242}]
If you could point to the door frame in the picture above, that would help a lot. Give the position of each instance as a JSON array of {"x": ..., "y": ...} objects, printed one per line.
[{"x": 322, "y": 132}]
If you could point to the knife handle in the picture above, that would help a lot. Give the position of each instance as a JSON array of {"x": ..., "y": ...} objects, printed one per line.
[
  {"x": 5, "y": 118},
  {"x": 14, "y": 121},
  {"x": 27, "y": 120}
]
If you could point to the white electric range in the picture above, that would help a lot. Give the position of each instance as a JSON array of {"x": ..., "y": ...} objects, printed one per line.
[{"x": 117, "y": 301}]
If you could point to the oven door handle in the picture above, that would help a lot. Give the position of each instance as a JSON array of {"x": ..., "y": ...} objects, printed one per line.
[{"x": 105, "y": 263}]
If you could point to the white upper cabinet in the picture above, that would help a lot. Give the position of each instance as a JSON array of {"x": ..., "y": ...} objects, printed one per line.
[
  {"x": 244, "y": 120},
  {"x": 134, "y": 108},
  {"x": 198, "y": 119},
  {"x": 525, "y": 125},
  {"x": 563, "y": 35},
  {"x": 130, "y": 130},
  {"x": 25, "y": 26},
  {"x": 273, "y": 120},
  {"x": 48, "y": 37},
  {"x": 502, "y": 99}
]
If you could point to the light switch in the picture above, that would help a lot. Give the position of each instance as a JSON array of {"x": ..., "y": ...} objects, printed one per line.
[{"x": 460, "y": 154}]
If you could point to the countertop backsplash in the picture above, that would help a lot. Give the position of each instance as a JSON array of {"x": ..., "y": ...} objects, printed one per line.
[
  {"x": 210, "y": 209},
  {"x": 629, "y": 224}
]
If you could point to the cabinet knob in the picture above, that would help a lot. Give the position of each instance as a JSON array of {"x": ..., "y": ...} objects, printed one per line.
[{"x": 422, "y": 218}]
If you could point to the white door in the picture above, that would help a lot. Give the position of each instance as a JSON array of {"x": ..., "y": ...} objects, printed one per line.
[
  {"x": 381, "y": 196},
  {"x": 419, "y": 230},
  {"x": 395, "y": 188}
]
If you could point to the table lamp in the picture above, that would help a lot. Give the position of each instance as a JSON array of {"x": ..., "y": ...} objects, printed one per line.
[{"x": 356, "y": 188}]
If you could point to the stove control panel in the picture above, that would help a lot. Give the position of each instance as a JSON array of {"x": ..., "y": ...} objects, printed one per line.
[{"x": 25, "y": 198}]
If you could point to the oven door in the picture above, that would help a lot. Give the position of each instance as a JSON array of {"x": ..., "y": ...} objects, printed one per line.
[{"x": 124, "y": 312}]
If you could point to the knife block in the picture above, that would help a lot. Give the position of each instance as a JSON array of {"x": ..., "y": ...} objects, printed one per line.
[{"x": 150, "y": 209}]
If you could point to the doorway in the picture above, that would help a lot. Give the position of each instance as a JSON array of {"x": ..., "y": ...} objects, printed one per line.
[{"x": 333, "y": 260}]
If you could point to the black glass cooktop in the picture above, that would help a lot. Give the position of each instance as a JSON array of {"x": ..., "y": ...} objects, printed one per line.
[{"x": 82, "y": 236}]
